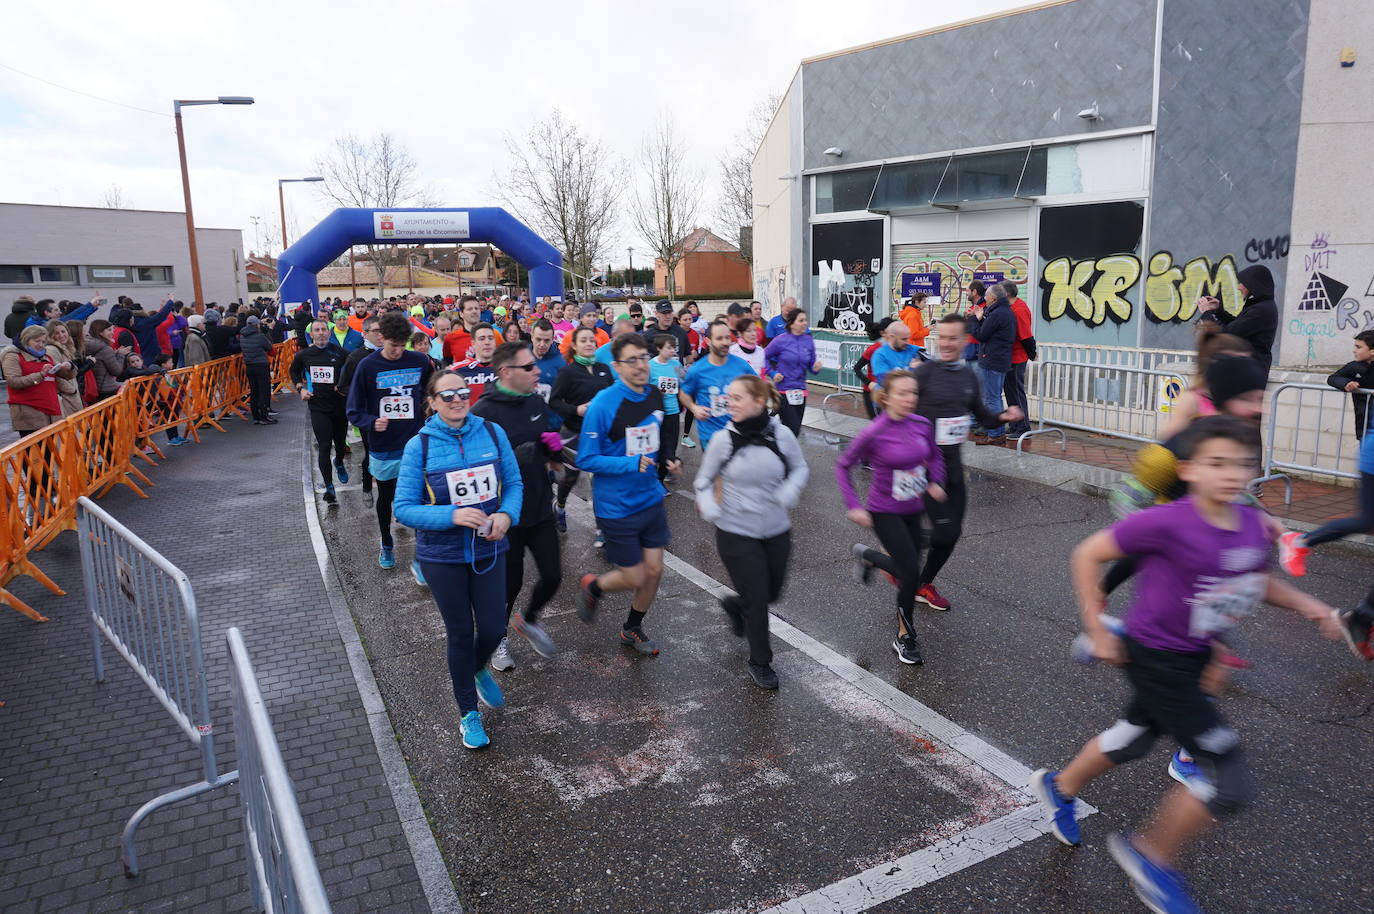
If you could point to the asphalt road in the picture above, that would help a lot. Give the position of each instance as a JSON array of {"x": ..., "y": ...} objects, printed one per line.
[{"x": 619, "y": 783}]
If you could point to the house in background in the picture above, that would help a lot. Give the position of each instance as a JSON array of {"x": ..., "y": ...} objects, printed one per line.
[
  {"x": 710, "y": 266},
  {"x": 262, "y": 272}
]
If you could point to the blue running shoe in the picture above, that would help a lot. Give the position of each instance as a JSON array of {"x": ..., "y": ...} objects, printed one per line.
[
  {"x": 176, "y": 442},
  {"x": 342, "y": 473},
  {"x": 1162, "y": 889},
  {"x": 1184, "y": 770},
  {"x": 1063, "y": 823},
  {"x": 388, "y": 557},
  {"x": 417, "y": 574},
  {"x": 329, "y": 497},
  {"x": 488, "y": 692},
  {"x": 560, "y": 516},
  {"x": 474, "y": 734}
]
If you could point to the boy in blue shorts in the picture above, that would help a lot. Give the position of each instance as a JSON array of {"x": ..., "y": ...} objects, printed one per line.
[
  {"x": 1203, "y": 566},
  {"x": 621, "y": 446}
]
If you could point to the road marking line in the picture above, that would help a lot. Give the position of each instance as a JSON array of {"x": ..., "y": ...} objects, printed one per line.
[{"x": 889, "y": 880}]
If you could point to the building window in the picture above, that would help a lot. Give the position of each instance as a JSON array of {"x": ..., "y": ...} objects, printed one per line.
[
  {"x": 13, "y": 274},
  {"x": 110, "y": 274},
  {"x": 465, "y": 261},
  {"x": 845, "y": 191},
  {"x": 159, "y": 275},
  {"x": 63, "y": 275}
]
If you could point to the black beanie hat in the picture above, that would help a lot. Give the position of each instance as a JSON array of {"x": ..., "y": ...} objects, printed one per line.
[{"x": 1230, "y": 376}]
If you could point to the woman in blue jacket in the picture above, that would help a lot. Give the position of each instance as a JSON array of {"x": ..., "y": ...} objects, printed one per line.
[{"x": 459, "y": 487}]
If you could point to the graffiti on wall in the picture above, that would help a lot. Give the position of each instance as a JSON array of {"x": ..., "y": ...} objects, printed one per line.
[
  {"x": 1171, "y": 291},
  {"x": 847, "y": 259},
  {"x": 1258, "y": 249},
  {"x": 770, "y": 288},
  {"x": 1089, "y": 259},
  {"x": 1091, "y": 291},
  {"x": 956, "y": 269},
  {"x": 1324, "y": 315}
]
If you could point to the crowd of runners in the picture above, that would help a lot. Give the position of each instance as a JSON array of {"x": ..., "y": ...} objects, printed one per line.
[{"x": 476, "y": 420}]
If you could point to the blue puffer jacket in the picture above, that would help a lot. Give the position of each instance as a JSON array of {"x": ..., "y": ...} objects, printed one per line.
[{"x": 472, "y": 466}]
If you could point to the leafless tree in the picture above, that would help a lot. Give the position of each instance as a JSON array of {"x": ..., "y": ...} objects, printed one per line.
[
  {"x": 668, "y": 197},
  {"x": 375, "y": 173},
  {"x": 115, "y": 199},
  {"x": 735, "y": 206},
  {"x": 564, "y": 185}
]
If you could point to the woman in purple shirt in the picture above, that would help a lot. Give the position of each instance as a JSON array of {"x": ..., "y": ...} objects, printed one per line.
[
  {"x": 788, "y": 359},
  {"x": 900, "y": 446}
]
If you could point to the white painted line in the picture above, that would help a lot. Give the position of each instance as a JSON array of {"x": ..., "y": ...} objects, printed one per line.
[
  {"x": 886, "y": 881},
  {"x": 429, "y": 863}
]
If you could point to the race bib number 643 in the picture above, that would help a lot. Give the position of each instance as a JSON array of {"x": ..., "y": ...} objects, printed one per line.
[{"x": 398, "y": 408}]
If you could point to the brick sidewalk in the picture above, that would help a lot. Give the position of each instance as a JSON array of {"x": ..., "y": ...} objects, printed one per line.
[
  {"x": 76, "y": 758},
  {"x": 1313, "y": 502}
]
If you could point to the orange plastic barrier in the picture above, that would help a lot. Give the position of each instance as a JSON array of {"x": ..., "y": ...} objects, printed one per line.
[{"x": 89, "y": 453}]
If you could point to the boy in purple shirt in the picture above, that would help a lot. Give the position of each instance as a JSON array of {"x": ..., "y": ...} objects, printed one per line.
[{"x": 1203, "y": 566}]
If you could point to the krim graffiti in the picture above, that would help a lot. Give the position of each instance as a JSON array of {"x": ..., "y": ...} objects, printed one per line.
[
  {"x": 1096, "y": 290},
  {"x": 1091, "y": 291}
]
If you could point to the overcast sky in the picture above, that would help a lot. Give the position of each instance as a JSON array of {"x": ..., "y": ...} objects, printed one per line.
[{"x": 447, "y": 79}]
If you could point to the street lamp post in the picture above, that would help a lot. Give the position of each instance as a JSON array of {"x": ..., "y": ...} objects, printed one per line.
[
  {"x": 177, "y": 105},
  {"x": 281, "y": 202},
  {"x": 631, "y": 252}
]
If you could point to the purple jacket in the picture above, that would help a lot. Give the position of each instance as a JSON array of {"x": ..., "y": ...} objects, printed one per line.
[
  {"x": 894, "y": 449},
  {"x": 793, "y": 355}
]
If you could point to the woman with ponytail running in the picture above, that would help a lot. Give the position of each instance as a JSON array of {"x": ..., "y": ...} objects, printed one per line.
[
  {"x": 750, "y": 477},
  {"x": 900, "y": 446}
]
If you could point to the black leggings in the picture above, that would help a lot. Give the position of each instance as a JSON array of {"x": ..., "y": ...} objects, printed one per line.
[
  {"x": 1348, "y": 526},
  {"x": 758, "y": 569},
  {"x": 259, "y": 390},
  {"x": 386, "y": 491},
  {"x": 900, "y": 535},
  {"x": 542, "y": 541},
  {"x": 667, "y": 443},
  {"x": 330, "y": 428},
  {"x": 791, "y": 416},
  {"x": 946, "y": 520},
  {"x": 688, "y": 417}
]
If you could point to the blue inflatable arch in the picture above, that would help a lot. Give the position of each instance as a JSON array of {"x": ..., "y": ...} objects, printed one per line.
[{"x": 299, "y": 264}]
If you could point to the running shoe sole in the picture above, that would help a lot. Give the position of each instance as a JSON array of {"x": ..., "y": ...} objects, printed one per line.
[
  {"x": 645, "y": 647},
  {"x": 1292, "y": 557},
  {"x": 1360, "y": 648},
  {"x": 1129, "y": 859},
  {"x": 1044, "y": 792},
  {"x": 538, "y": 638},
  {"x": 586, "y": 607},
  {"x": 897, "y": 649}
]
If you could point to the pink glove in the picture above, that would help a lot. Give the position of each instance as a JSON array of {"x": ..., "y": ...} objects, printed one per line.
[{"x": 552, "y": 441}]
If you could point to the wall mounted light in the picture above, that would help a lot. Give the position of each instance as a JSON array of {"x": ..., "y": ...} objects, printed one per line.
[
  {"x": 834, "y": 151},
  {"x": 1091, "y": 113}
]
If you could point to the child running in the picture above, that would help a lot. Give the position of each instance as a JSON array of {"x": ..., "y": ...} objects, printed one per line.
[
  {"x": 901, "y": 448},
  {"x": 1202, "y": 568}
]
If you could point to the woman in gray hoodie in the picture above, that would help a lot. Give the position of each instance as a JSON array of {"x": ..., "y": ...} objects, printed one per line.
[{"x": 749, "y": 479}]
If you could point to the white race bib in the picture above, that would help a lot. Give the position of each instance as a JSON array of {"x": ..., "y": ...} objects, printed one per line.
[
  {"x": 398, "y": 407},
  {"x": 908, "y": 484},
  {"x": 472, "y": 486},
  {"x": 321, "y": 374},
  {"x": 720, "y": 405},
  {"x": 543, "y": 390},
  {"x": 667, "y": 385},
  {"x": 641, "y": 440},
  {"x": 1219, "y": 604},
  {"x": 953, "y": 430},
  {"x": 795, "y": 397}
]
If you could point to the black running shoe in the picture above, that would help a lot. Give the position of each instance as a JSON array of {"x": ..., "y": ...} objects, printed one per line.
[
  {"x": 908, "y": 651},
  {"x": 863, "y": 568},
  {"x": 586, "y": 607},
  {"x": 635, "y": 638},
  {"x": 763, "y": 676},
  {"x": 1355, "y": 626}
]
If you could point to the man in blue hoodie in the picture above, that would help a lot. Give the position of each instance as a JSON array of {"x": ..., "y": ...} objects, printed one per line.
[
  {"x": 620, "y": 447},
  {"x": 386, "y": 403},
  {"x": 993, "y": 325}
]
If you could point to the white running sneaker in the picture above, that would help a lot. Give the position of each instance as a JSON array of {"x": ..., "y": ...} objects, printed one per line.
[{"x": 501, "y": 660}]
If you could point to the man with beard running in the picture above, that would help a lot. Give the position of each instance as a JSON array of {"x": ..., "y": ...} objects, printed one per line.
[
  {"x": 950, "y": 399},
  {"x": 513, "y": 403}
]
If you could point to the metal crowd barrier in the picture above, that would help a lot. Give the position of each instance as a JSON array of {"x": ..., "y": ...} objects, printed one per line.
[
  {"x": 144, "y": 606},
  {"x": 1310, "y": 428},
  {"x": 282, "y": 875},
  {"x": 1116, "y": 400}
]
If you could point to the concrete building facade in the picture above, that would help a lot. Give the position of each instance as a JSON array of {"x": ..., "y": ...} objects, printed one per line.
[
  {"x": 1115, "y": 159},
  {"x": 70, "y": 251}
]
